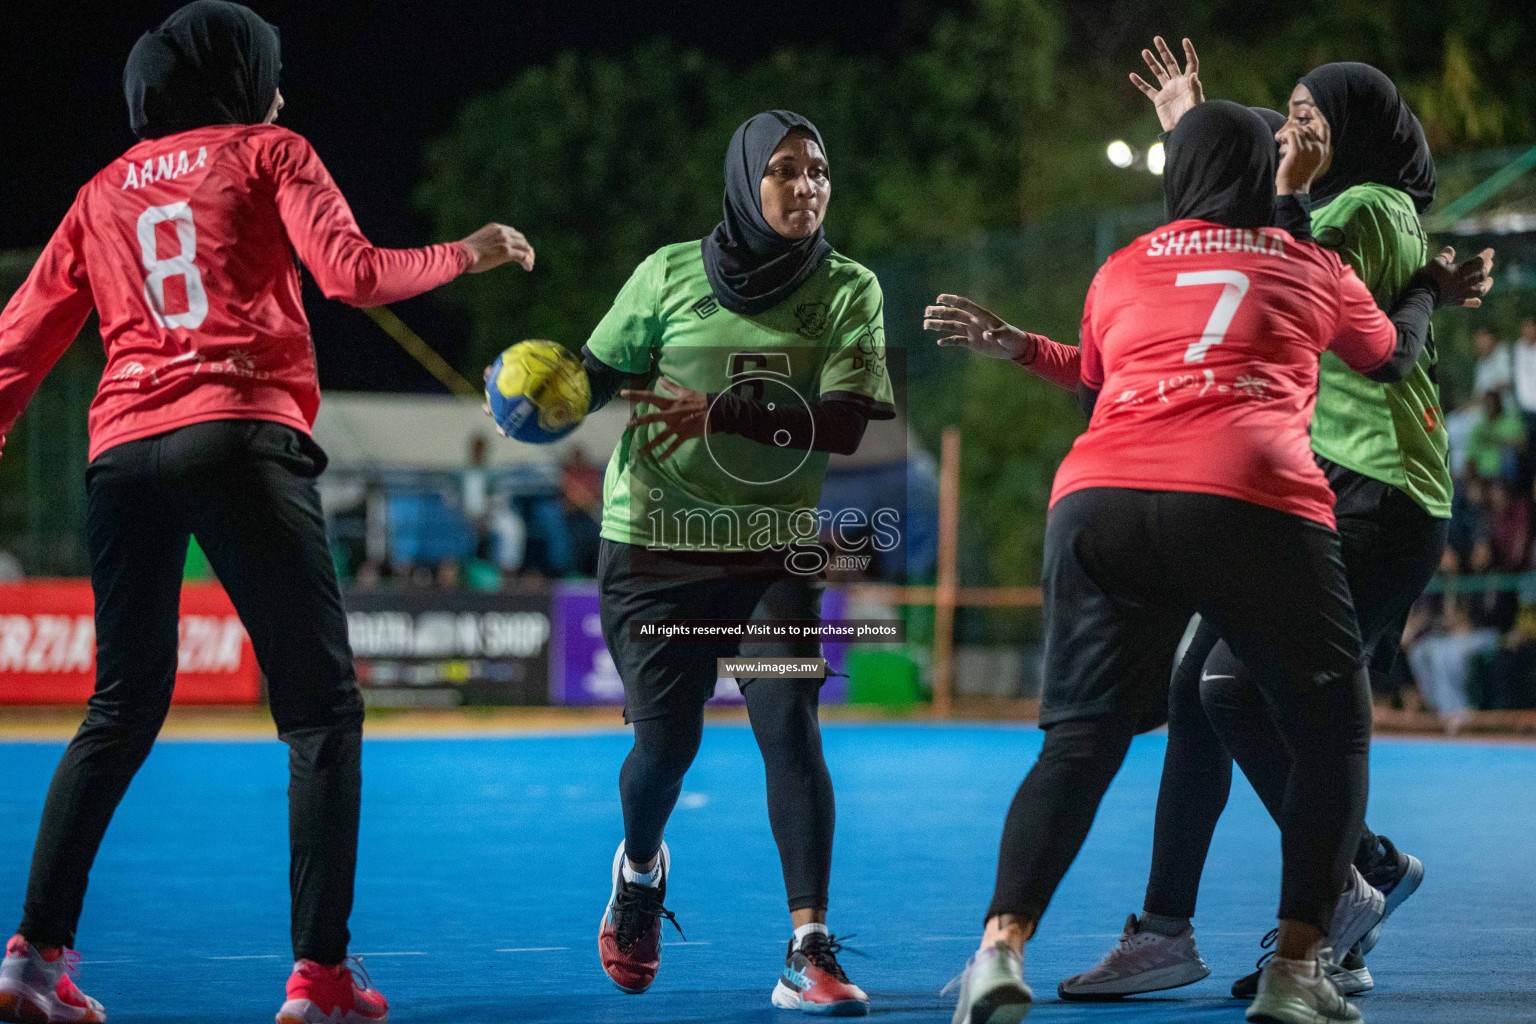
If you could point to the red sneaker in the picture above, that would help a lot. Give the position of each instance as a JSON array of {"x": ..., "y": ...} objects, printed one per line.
[
  {"x": 629, "y": 938},
  {"x": 814, "y": 982},
  {"x": 37, "y": 987},
  {"x": 343, "y": 994}
]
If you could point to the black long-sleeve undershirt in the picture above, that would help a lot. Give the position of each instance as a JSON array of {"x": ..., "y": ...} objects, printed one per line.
[
  {"x": 1410, "y": 315},
  {"x": 835, "y": 423}
]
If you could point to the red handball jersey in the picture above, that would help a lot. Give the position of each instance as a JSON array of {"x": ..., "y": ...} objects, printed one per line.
[
  {"x": 185, "y": 247},
  {"x": 1204, "y": 341}
]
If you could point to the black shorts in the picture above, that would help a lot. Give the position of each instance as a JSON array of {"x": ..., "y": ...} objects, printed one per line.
[
  {"x": 662, "y": 676},
  {"x": 1125, "y": 569}
]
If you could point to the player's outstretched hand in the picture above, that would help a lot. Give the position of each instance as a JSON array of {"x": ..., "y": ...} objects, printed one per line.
[
  {"x": 684, "y": 412},
  {"x": 1303, "y": 152},
  {"x": 1463, "y": 283},
  {"x": 496, "y": 244},
  {"x": 966, "y": 324},
  {"x": 1177, "y": 92}
]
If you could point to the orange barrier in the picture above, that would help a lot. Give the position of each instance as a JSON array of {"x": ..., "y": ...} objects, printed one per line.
[{"x": 48, "y": 645}]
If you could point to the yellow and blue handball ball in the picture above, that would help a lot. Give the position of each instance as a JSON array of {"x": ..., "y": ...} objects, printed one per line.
[{"x": 537, "y": 392}]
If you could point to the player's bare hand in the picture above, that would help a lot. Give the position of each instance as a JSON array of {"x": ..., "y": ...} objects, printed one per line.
[
  {"x": 966, "y": 324},
  {"x": 1463, "y": 283},
  {"x": 1304, "y": 149},
  {"x": 1177, "y": 92},
  {"x": 684, "y": 412},
  {"x": 496, "y": 244}
]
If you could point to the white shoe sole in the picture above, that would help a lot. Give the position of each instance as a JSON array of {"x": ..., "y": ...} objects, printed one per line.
[
  {"x": 1272, "y": 1010},
  {"x": 1159, "y": 980},
  {"x": 302, "y": 1011},
  {"x": 1014, "y": 1007},
  {"x": 786, "y": 998},
  {"x": 21, "y": 1004},
  {"x": 1352, "y": 983}
]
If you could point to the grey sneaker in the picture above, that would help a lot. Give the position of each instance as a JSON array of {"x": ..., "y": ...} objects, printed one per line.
[
  {"x": 1140, "y": 962},
  {"x": 36, "y": 987},
  {"x": 1360, "y": 908},
  {"x": 1289, "y": 997},
  {"x": 992, "y": 989}
]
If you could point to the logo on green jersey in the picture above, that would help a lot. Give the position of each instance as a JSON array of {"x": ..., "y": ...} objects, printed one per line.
[
  {"x": 706, "y": 307},
  {"x": 813, "y": 319}
]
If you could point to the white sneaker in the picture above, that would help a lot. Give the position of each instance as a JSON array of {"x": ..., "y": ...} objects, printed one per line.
[
  {"x": 38, "y": 989},
  {"x": 1350, "y": 975},
  {"x": 1360, "y": 908},
  {"x": 992, "y": 989},
  {"x": 1298, "y": 992},
  {"x": 1140, "y": 962}
]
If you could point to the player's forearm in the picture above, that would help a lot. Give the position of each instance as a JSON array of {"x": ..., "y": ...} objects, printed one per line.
[
  {"x": 834, "y": 425},
  {"x": 361, "y": 274},
  {"x": 37, "y": 325},
  {"x": 1410, "y": 318},
  {"x": 1060, "y": 364},
  {"x": 603, "y": 381}
]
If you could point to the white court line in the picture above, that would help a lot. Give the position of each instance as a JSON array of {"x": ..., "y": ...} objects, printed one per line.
[
  {"x": 394, "y": 954},
  {"x": 534, "y": 949},
  {"x": 685, "y": 943},
  {"x": 254, "y": 956}
]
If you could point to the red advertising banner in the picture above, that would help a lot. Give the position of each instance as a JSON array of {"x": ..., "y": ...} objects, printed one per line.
[{"x": 48, "y": 645}]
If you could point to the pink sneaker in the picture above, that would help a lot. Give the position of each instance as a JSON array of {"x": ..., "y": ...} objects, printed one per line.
[
  {"x": 343, "y": 994},
  {"x": 37, "y": 986}
]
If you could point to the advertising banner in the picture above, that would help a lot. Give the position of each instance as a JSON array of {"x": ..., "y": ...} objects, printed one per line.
[
  {"x": 582, "y": 670},
  {"x": 48, "y": 645},
  {"x": 426, "y": 648}
]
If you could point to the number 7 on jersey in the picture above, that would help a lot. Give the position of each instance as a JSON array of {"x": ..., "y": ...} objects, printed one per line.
[{"x": 1234, "y": 287}]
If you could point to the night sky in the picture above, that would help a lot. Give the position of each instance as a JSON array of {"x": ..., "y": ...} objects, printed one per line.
[{"x": 368, "y": 84}]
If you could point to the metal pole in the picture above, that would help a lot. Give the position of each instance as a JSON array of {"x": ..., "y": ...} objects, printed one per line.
[{"x": 945, "y": 593}]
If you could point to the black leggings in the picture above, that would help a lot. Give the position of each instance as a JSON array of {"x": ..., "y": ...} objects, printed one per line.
[
  {"x": 1391, "y": 547},
  {"x": 246, "y": 490},
  {"x": 800, "y": 803},
  {"x": 1123, "y": 571}
]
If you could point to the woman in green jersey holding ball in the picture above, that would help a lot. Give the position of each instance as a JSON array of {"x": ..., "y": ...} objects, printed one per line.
[{"x": 758, "y": 351}]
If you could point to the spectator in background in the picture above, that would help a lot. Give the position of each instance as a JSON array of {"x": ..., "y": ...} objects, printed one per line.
[
  {"x": 1441, "y": 658},
  {"x": 1495, "y": 369},
  {"x": 1510, "y": 532},
  {"x": 475, "y": 496},
  {"x": 581, "y": 493},
  {"x": 1497, "y": 440},
  {"x": 1523, "y": 363},
  {"x": 10, "y": 567}
]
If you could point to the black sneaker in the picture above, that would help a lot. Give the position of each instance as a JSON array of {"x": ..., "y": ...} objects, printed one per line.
[
  {"x": 1350, "y": 977},
  {"x": 814, "y": 982},
  {"x": 1247, "y": 986},
  {"x": 1398, "y": 876}
]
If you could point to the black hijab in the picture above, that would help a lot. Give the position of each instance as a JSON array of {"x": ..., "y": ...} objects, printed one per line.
[
  {"x": 750, "y": 266},
  {"x": 1273, "y": 118},
  {"x": 1221, "y": 167},
  {"x": 211, "y": 62},
  {"x": 1375, "y": 136}
]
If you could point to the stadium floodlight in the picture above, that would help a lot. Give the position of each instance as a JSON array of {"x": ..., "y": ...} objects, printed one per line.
[
  {"x": 1156, "y": 158},
  {"x": 1120, "y": 154}
]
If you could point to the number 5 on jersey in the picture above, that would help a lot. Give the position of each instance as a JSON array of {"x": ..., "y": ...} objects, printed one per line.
[
  {"x": 1234, "y": 287},
  {"x": 192, "y": 303}
]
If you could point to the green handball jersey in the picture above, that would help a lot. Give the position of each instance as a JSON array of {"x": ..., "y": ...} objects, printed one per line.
[
  {"x": 723, "y": 492},
  {"x": 1389, "y": 432}
]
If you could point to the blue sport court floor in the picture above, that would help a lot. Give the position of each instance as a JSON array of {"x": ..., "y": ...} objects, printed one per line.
[{"x": 485, "y": 868}]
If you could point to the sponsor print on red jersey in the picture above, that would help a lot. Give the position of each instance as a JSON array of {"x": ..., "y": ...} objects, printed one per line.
[
  {"x": 1204, "y": 342},
  {"x": 185, "y": 246}
]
